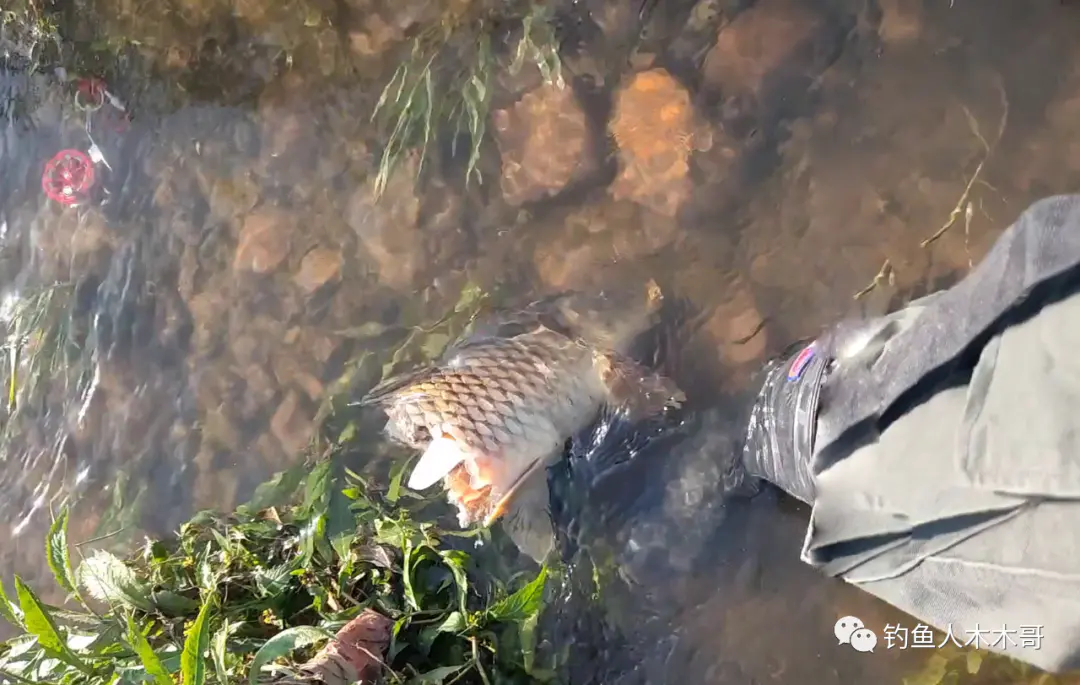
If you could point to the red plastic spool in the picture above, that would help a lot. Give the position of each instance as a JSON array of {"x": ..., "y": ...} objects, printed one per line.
[
  {"x": 68, "y": 177},
  {"x": 90, "y": 93}
]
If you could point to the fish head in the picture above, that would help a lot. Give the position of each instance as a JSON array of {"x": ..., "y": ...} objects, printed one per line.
[{"x": 611, "y": 320}]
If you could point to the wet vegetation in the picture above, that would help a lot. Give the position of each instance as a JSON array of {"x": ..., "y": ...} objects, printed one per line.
[{"x": 234, "y": 598}]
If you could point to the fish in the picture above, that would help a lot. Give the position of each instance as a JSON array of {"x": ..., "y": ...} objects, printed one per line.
[{"x": 502, "y": 402}]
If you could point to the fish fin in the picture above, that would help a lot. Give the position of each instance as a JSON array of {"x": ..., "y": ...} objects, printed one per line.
[
  {"x": 636, "y": 389},
  {"x": 526, "y": 514},
  {"x": 386, "y": 390},
  {"x": 442, "y": 455}
]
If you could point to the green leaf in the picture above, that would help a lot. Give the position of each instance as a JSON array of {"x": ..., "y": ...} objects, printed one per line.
[
  {"x": 219, "y": 648},
  {"x": 59, "y": 558},
  {"x": 41, "y": 625},
  {"x": 435, "y": 676},
  {"x": 318, "y": 485},
  {"x": 527, "y": 637},
  {"x": 457, "y": 560},
  {"x": 109, "y": 579},
  {"x": 276, "y": 492},
  {"x": 150, "y": 660},
  {"x": 193, "y": 658},
  {"x": 173, "y": 604},
  {"x": 522, "y": 604},
  {"x": 340, "y": 522},
  {"x": 284, "y": 643},
  {"x": 454, "y": 623},
  {"x": 7, "y": 609},
  {"x": 397, "y": 472}
]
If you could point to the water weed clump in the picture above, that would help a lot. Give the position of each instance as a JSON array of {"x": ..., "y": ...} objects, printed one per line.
[
  {"x": 246, "y": 596},
  {"x": 445, "y": 84},
  {"x": 47, "y": 358}
]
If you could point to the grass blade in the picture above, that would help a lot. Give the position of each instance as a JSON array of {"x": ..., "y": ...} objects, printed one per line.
[
  {"x": 8, "y": 609},
  {"x": 193, "y": 658},
  {"x": 149, "y": 659},
  {"x": 220, "y": 647},
  {"x": 59, "y": 558},
  {"x": 42, "y": 626}
]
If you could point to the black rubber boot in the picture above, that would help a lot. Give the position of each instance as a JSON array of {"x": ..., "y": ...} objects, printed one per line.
[{"x": 779, "y": 443}]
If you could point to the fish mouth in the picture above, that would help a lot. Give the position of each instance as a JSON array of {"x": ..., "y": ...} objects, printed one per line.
[
  {"x": 483, "y": 502},
  {"x": 481, "y": 486},
  {"x": 503, "y": 503}
]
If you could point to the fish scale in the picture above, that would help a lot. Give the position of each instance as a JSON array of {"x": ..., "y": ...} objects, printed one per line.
[{"x": 499, "y": 407}]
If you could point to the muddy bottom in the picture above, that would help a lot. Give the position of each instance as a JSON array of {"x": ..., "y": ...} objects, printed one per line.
[{"x": 762, "y": 160}]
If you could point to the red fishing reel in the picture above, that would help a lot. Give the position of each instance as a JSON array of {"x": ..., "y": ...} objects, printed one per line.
[{"x": 69, "y": 177}]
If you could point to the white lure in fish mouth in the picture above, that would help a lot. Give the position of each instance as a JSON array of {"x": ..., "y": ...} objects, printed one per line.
[{"x": 442, "y": 455}]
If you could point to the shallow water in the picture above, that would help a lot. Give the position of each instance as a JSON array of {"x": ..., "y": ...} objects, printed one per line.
[{"x": 760, "y": 159}]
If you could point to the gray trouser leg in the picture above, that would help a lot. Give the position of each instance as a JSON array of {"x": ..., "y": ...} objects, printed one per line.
[{"x": 965, "y": 511}]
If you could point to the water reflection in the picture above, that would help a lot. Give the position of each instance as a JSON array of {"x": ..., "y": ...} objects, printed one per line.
[{"x": 759, "y": 159}]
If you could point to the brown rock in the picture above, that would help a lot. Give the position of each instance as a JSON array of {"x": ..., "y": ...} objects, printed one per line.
[
  {"x": 73, "y": 241},
  {"x": 319, "y": 267},
  {"x": 271, "y": 452},
  {"x": 653, "y": 233},
  {"x": 291, "y": 424},
  {"x": 321, "y": 346},
  {"x": 208, "y": 309},
  {"x": 230, "y": 197},
  {"x": 261, "y": 388},
  {"x": 387, "y": 227},
  {"x": 561, "y": 267},
  {"x": 735, "y": 326},
  {"x": 246, "y": 348},
  {"x": 654, "y": 127},
  {"x": 901, "y": 21},
  {"x": 630, "y": 230},
  {"x": 264, "y": 241},
  {"x": 542, "y": 141},
  {"x": 756, "y": 43},
  {"x": 311, "y": 385},
  {"x": 219, "y": 429}
]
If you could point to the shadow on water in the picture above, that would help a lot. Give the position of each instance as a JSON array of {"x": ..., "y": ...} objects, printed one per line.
[{"x": 761, "y": 159}]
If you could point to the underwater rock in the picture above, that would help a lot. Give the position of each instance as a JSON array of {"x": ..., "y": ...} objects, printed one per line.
[
  {"x": 768, "y": 57},
  {"x": 542, "y": 140},
  {"x": 755, "y": 44},
  {"x": 736, "y": 327},
  {"x": 563, "y": 267},
  {"x": 318, "y": 267},
  {"x": 264, "y": 241},
  {"x": 292, "y": 424},
  {"x": 629, "y": 230},
  {"x": 655, "y": 129},
  {"x": 387, "y": 226},
  {"x": 70, "y": 243},
  {"x": 901, "y": 21}
]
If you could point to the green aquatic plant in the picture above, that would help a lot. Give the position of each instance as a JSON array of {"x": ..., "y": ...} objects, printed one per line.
[
  {"x": 45, "y": 356},
  {"x": 26, "y": 30},
  {"x": 243, "y": 597},
  {"x": 445, "y": 84}
]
